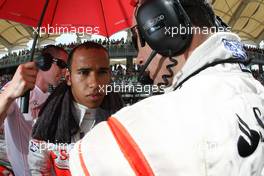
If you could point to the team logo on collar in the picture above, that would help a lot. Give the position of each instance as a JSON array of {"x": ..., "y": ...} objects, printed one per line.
[{"x": 236, "y": 48}]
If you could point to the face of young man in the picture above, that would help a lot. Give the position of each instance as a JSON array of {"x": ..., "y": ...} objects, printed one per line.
[{"x": 90, "y": 72}]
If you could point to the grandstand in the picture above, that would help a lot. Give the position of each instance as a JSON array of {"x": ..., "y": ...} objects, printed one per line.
[{"x": 244, "y": 18}]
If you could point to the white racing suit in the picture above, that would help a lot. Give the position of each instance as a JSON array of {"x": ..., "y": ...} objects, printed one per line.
[
  {"x": 48, "y": 159},
  {"x": 212, "y": 125}
]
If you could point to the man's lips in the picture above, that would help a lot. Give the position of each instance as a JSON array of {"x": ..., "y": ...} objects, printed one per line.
[{"x": 95, "y": 96}]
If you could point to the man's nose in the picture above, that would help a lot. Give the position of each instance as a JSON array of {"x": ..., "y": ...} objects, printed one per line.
[{"x": 93, "y": 80}]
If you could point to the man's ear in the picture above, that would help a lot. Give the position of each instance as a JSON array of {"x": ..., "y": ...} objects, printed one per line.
[{"x": 68, "y": 77}]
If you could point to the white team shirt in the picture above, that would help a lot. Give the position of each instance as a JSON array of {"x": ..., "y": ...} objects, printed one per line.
[
  {"x": 41, "y": 153},
  {"x": 18, "y": 129}
]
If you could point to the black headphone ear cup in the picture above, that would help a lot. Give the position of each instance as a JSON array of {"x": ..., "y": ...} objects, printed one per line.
[
  {"x": 156, "y": 21},
  {"x": 44, "y": 62}
]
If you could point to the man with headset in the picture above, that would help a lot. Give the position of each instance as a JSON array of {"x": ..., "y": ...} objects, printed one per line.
[
  {"x": 211, "y": 122},
  {"x": 18, "y": 125}
]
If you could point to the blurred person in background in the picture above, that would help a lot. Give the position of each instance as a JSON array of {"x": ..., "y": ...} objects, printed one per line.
[{"x": 18, "y": 126}]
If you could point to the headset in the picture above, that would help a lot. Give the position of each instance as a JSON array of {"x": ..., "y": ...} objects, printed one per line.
[{"x": 157, "y": 21}]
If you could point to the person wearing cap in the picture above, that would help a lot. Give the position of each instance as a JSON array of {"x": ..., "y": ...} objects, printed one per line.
[
  {"x": 210, "y": 121},
  {"x": 72, "y": 110},
  {"x": 18, "y": 125}
]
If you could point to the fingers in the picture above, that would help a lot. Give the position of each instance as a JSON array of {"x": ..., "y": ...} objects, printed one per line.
[
  {"x": 29, "y": 65},
  {"x": 29, "y": 68},
  {"x": 25, "y": 85},
  {"x": 28, "y": 73},
  {"x": 29, "y": 79},
  {"x": 23, "y": 80}
]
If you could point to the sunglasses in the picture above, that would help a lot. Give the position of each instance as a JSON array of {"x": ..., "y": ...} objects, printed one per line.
[{"x": 59, "y": 62}]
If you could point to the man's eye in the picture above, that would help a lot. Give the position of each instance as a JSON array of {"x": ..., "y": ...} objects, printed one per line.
[
  {"x": 83, "y": 72},
  {"x": 103, "y": 72}
]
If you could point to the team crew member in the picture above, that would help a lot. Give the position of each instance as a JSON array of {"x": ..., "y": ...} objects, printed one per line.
[
  {"x": 210, "y": 122},
  {"x": 18, "y": 126},
  {"x": 72, "y": 110}
]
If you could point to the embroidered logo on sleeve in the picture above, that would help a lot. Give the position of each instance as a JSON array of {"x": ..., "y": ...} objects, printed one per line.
[
  {"x": 236, "y": 48},
  {"x": 33, "y": 146}
]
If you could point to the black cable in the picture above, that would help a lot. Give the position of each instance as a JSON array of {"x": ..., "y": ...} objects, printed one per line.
[
  {"x": 170, "y": 75},
  {"x": 230, "y": 60}
]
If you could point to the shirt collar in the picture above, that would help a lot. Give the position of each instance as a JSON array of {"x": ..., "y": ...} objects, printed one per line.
[
  {"x": 38, "y": 97},
  {"x": 84, "y": 112},
  {"x": 203, "y": 55}
]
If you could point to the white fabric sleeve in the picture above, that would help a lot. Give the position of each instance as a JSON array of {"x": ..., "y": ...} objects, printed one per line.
[{"x": 39, "y": 158}]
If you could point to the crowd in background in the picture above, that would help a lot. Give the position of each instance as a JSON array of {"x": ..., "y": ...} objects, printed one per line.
[
  {"x": 122, "y": 43},
  {"x": 14, "y": 54},
  {"x": 120, "y": 74},
  {"x": 4, "y": 79},
  {"x": 106, "y": 43},
  {"x": 258, "y": 76},
  {"x": 253, "y": 49}
]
